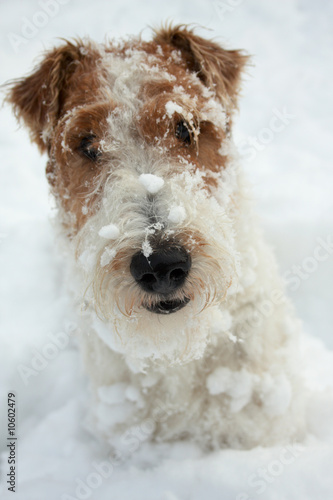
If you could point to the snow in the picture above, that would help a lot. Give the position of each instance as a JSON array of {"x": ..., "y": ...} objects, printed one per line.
[
  {"x": 292, "y": 176},
  {"x": 146, "y": 249},
  {"x": 177, "y": 214},
  {"x": 172, "y": 107},
  {"x": 110, "y": 232},
  {"x": 153, "y": 183},
  {"x": 276, "y": 395},
  {"x": 146, "y": 246},
  {"x": 112, "y": 394},
  {"x": 237, "y": 385}
]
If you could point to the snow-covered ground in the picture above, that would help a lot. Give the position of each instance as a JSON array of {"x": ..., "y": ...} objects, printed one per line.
[{"x": 291, "y": 78}]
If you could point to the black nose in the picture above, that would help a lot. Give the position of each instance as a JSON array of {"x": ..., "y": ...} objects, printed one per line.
[{"x": 163, "y": 271}]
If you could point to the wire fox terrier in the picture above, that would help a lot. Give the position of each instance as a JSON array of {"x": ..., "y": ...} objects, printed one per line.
[{"x": 186, "y": 331}]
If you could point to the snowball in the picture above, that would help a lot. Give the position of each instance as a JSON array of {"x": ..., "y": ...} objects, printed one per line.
[
  {"x": 177, "y": 214},
  {"x": 172, "y": 107},
  {"x": 151, "y": 182},
  {"x": 110, "y": 232}
]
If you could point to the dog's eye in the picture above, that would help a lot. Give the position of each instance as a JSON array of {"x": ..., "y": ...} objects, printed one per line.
[
  {"x": 88, "y": 148},
  {"x": 183, "y": 132}
]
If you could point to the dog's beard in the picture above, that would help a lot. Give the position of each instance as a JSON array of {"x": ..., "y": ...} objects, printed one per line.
[
  {"x": 147, "y": 338},
  {"x": 121, "y": 310}
]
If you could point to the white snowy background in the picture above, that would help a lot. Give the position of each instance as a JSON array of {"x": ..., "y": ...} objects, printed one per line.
[{"x": 291, "y": 42}]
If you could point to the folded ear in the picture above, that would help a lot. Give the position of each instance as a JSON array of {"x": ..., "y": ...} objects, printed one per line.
[
  {"x": 217, "y": 68},
  {"x": 38, "y": 98}
]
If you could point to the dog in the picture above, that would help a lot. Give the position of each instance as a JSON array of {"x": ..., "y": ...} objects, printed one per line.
[{"x": 185, "y": 331}]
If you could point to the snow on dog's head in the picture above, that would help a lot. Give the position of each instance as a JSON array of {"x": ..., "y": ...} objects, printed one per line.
[{"x": 140, "y": 162}]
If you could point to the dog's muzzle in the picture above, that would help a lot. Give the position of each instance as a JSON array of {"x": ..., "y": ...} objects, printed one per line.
[{"x": 162, "y": 273}]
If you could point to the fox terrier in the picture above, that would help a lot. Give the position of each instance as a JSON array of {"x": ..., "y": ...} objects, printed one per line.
[{"x": 186, "y": 331}]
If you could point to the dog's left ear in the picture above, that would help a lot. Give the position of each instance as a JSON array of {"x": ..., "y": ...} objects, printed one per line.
[{"x": 217, "y": 68}]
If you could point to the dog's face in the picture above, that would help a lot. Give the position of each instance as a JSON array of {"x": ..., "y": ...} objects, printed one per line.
[{"x": 138, "y": 138}]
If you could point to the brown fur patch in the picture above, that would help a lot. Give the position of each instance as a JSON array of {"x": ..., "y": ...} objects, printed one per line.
[
  {"x": 76, "y": 180},
  {"x": 156, "y": 128},
  {"x": 72, "y": 77}
]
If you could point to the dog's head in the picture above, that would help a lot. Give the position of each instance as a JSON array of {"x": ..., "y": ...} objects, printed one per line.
[{"x": 140, "y": 162}]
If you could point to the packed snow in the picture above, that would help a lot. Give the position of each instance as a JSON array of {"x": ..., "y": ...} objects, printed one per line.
[
  {"x": 153, "y": 183},
  {"x": 177, "y": 214},
  {"x": 110, "y": 232},
  {"x": 284, "y": 133}
]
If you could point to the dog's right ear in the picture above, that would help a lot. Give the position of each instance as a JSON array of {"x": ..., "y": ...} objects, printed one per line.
[
  {"x": 38, "y": 98},
  {"x": 219, "y": 69}
]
